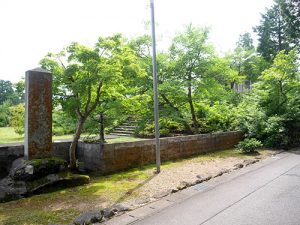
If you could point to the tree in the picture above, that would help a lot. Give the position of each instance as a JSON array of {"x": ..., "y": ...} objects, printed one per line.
[
  {"x": 83, "y": 75},
  {"x": 4, "y": 114},
  {"x": 19, "y": 89},
  {"x": 279, "y": 84},
  {"x": 291, "y": 13},
  {"x": 274, "y": 109},
  {"x": 279, "y": 29},
  {"x": 247, "y": 63},
  {"x": 245, "y": 41},
  {"x": 6, "y": 91},
  {"x": 190, "y": 55},
  {"x": 17, "y": 119}
]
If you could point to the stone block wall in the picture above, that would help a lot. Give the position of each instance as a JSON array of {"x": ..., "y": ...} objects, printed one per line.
[
  {"x": 10, "y": 152},
  {"x": 109, "y": 158}
]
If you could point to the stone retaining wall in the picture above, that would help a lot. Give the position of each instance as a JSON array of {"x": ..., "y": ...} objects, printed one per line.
[
  {"x": 10, "y": 152},
  {"x": 109, "y": 158}
]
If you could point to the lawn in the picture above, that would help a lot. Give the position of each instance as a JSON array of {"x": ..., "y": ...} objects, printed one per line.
[
  {"x": 62, "y": 206},
  {"x": 7, "y": 135}
]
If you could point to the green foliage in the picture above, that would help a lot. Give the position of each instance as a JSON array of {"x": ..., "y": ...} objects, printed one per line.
[
  {"x": 17, "y": 118},
  {"x": 279, "y": 29},
  {"x": 275, "y": 133},
  {"x": 268, "y": 112},
  {"x": 249, "y": 145},
  {"x": 62, "y": 123},
  {"x": 168, "y": 127},
  {"x": 87, "y": 79},
  {"x": 4, "y": 114},
  {"x": 6, "y": 90},
  {"x": 219, "y": 117}
]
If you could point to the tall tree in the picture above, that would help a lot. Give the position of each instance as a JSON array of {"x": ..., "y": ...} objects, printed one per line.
[
  {"x": 190, "y": 54},
  {"x": 247, "y": 63},
  {"x": 271, "y": 32},
  {"x": 291, "y": 14},
  {"x": 6, "y": 91},
  {"x": 279, "y": 85},
  {"x": 279, "y": 28},
  {"x": 84, "y": 75},
  {"x": 245, "y": 41}
]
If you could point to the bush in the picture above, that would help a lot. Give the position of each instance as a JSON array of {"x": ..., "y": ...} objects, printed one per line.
[
  {"x": 17, "y": 118},
  {"x": 275, "y": 134},
  {"x": 4, "y": 114},
  {"x": 62, "y": 123},
  {"x": 249, "y": 145}
]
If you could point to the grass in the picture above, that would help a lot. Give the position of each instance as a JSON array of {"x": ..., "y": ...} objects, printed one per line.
[
  {"x": 62, "y": 206},
  {"x": 8, "y": 135}
]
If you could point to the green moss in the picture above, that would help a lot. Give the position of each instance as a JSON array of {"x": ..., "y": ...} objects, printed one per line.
[
  {"x": 36, "y": 216},
  {"x": 50, "y": 162}
]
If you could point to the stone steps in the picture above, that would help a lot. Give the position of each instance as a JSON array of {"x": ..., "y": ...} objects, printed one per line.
[{"x": 127, "y": 128}]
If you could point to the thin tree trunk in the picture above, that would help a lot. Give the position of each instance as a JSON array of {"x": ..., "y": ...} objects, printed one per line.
[
  {"x": 279, "y": 35},
  {"x": 101, "y": 130},
  {"x": 73, "y": 146},
  {"x": 190, "y": 100},
  {"x": 186, "y": 125}
]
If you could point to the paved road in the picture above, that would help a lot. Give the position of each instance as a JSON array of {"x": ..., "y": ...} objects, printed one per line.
[{"x": 266, "y": 193}]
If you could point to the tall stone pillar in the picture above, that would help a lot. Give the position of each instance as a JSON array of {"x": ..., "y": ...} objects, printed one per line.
[{"x": 38, "y": 113}]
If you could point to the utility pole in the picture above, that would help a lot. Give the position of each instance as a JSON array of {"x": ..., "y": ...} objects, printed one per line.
[{"x": 155, "y": 89}]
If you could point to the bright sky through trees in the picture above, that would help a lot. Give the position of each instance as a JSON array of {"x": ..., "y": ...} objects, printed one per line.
[{"x": 32, "y": 28}]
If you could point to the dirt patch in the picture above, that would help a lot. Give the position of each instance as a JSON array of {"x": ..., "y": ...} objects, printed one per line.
[{"x": 186, "y": 173}]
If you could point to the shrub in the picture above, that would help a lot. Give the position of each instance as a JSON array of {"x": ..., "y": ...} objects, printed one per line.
[
  {"x": 17, "y": 118},
  {"x": 249, "y": 145},
  {"x": 4, "y": 114}
]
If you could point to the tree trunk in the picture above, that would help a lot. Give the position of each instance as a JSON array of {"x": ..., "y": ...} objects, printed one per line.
[
  {"x": 101, "y": 130},
  {"x": 190, "y": 99},
  {"x": 73, "y": 146},
  {"x": 279, "y": 35},
  {"x": 185, "y": 124}
]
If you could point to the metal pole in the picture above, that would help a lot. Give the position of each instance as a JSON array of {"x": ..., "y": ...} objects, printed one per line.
[{"x": 156, "y": 117}]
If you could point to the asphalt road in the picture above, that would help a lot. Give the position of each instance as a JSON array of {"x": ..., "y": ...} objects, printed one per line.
[{"x": 263, "y": 194}]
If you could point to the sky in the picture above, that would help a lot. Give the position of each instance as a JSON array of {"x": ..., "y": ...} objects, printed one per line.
[{"x": 32, "y": 28}]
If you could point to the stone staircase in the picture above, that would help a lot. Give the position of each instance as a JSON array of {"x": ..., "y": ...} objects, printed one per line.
[{"x": 126, "y": 128}]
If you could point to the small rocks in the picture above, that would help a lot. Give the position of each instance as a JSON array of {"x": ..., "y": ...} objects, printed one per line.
[
  {"x": 89, "y": 218},
  {"x": 119, "y": 208},
  {"x": 174, "y": 190},
  {"x": 108, "y": 212},
  {"x": 197, "y": 181},
  {"x": 207, "y": 178},
  {"x": 199, "y": 176},
  {"x": 161, "y": 194},
  {"x": 238, "y": 166},
  {"x": 219, "y": 174},
  {"x": 142, "y": 201},
  {"x": 183, "y": 185},
  {"x": 248, "y": 162}
]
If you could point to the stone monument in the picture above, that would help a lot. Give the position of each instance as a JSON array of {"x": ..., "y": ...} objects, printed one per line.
[{"x": 38, "y": 113}]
